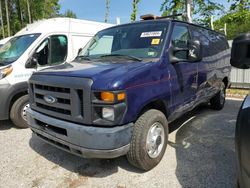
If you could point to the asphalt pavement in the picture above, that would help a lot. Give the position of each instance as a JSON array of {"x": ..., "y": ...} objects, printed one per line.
[{"x": 200, "y": 153}]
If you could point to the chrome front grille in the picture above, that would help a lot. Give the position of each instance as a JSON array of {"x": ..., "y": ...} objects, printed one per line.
[
  {"x": 63, "y": 98},
  {"x": 62, "y": 103}
]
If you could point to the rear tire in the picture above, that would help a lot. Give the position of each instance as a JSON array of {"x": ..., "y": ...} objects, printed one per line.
[
  {"x": 18, "y": 112},
  {"x": 149, "y": 140},
  {"x": 218, "y": 101}
]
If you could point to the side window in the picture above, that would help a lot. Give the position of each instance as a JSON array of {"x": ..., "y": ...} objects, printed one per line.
[
  {"x": 202, "y": 35},
  {"x": 52, "y": 50},
  {"x": 180, "y": 37}
]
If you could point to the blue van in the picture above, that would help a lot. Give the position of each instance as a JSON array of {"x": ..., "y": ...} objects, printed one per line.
[{"x": 124, "y": 88}]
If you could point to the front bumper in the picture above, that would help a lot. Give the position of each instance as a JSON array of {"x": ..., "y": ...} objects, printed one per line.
[{"x": 82, "y": 140}]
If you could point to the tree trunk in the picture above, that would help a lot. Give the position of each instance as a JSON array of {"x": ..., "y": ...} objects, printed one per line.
[
  {"x": 28, "y": 7},
  {"x": 7, "y": 16},
  {"x": 20, "y": 17},
  {"x": 1, "y": 17}
]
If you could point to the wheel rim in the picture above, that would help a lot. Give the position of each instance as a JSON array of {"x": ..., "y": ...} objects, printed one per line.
[
  {"x": 24, "y": 111},
  {"x": 155, "y": 140}
]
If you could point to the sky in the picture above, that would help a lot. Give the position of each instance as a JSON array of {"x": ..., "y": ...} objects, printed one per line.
[{"x": 95, "y": 9}]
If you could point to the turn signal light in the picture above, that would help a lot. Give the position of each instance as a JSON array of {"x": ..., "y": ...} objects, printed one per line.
[
  {"x": 5, "y": 72},
  {"x": 121, "y": 96},
  {"x": 112, "y": 97},
  {"x": 107, "y": 96}
]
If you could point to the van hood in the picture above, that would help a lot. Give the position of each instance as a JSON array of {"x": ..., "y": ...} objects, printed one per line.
[{"x": 105, "y": 75}]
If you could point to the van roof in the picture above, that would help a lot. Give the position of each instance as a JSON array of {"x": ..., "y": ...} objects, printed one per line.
[
  {"x": 169, "y": 20},
  {"x": 63, "y": 25}
]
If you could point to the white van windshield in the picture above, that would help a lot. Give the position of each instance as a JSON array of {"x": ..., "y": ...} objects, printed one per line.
[
  {"x": 137, "y": 41},
  {"x": 15, "y": 47}
]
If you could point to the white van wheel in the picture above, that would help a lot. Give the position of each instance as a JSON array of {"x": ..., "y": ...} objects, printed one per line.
[{"x": 18, "y": 112}]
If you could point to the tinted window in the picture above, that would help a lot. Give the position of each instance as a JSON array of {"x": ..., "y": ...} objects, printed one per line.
[
  {"x": 180, "y": 37},
  {"x": 202, "y": 35},
  {"x": 212, "y": 42}
]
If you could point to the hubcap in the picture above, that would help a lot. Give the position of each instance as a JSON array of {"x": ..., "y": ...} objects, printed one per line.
[
  {"x": 24, "y": 111},
  {"x": 155, "y": 140}
]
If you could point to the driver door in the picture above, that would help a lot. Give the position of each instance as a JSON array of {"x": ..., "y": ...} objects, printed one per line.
[{"x": 185, "y": 83}]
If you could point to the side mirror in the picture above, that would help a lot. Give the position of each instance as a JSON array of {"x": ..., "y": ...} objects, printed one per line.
[
  {"x": 192, "y": 53},
  {"x": 195, "y": 51},
  {"x": 79, "y": 51},
  {"x": 240, "y": 54},
  {"x": 31, "y": 63}
]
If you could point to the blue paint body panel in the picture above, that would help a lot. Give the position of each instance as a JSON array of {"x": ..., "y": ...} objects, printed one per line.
[{"x": 180, "y": 86}]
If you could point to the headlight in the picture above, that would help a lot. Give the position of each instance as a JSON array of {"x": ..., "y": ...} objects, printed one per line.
[
  {"x": 108, "y": 107},
  {"x": 108, "y": 113},
  {"x": 5, "y": 72}
]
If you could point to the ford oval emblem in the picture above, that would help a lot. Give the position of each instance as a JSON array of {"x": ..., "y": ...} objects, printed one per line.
[{"x": 49, "y": 99}]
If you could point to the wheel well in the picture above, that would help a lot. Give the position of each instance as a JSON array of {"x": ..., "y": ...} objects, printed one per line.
[
  {"x": 158, "y": 105},
  {"x": 225, "y": 81},
  {"x": 17, "y": 96}
]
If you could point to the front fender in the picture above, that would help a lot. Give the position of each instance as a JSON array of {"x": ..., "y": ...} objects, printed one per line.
[
  {"x": 7, "y": 93},
  {"x": 141, "y": 95}
]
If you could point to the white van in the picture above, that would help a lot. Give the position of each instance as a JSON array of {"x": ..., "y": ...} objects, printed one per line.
[
  {"x": 3, "y": 41},
  {"x": 49, "y": 42}
]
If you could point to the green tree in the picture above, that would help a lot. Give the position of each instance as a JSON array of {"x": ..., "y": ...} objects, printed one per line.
[
  {"x": 239, "y": 5},
  {"x": 169, "y": 7},
  {"x": 202, "y": 9},
  {"x": 135, "y": 9},
  {"x": 237, "y": 19},
  {"x": 18, "y": 12},
  {"x": 69, "y": 13}
]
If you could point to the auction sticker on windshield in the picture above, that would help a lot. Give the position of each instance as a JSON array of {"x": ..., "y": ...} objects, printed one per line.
[
  {"x": 151, "y": 34},
  {"x": 155, "y": 41}
]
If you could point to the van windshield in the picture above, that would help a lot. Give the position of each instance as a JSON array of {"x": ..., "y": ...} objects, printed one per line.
[
  {"x": 134, "y": 41},
  {"x": 15, "y": 47}
]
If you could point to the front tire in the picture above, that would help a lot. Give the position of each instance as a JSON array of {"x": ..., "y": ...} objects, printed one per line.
[
  {"x": 149, "y": 140},
  {"x": 218, "y": 101},
  {"x": 18, "y": 112}
]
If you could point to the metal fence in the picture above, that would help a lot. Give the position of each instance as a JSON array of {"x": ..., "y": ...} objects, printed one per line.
[{"x": 240, "y": 78}]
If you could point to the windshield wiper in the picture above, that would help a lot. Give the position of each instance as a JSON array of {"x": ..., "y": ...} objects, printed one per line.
[{"x": 122, "y": 55}]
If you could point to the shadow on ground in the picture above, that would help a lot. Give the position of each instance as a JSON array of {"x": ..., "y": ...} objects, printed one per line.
[
  {"x": 204, "y": 144},
  {"x": 84, "y": 167},
  {"x": 5, "y": 125}
]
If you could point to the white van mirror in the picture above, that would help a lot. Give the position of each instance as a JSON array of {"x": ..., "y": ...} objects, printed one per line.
[
  {"x": 31, "y": 63},
  {"x": 79, "y": 51}
]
